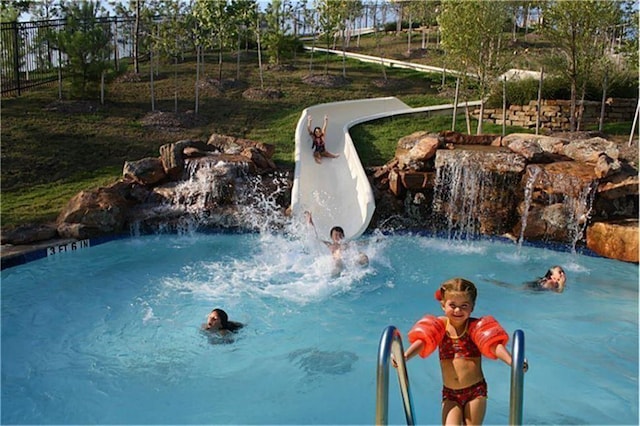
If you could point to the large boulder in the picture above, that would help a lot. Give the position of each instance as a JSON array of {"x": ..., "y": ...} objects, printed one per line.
[
  {"x": 614, "y": 239},
  {"x": 93, "y": 213},
  {"x": 172, "y": 155},
  {"x": 148, "y": 171},
  {"x": 589, "y": 150},
  {"x": 568, "y": 178}
]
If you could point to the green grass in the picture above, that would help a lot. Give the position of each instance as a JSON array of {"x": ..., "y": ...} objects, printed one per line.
[
  {"x": 42, "y": 203},
  {"x": 49, "y": 155}
]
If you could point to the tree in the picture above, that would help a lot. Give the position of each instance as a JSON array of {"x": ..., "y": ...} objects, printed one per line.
[
  {"x": 472, "y": 37},
  {"x": 171, "y": 37},
  {"x": 10, "y": 10},
  {"x": 140, "y": 12},
  {"x": 423, "y": 13},
  {"x": 277, "y": 39},
  {"x": 331, "y": 15},
  {"x": 578, "y": 30},
  {"x": 243, "y": 15},
  {"x": 86, "y": 43}
]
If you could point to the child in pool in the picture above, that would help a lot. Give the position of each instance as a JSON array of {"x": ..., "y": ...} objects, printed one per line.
[
  {"x": 318, "y": 145},
  {"x": 461, "y": 340},
  {"x": 218, "y": 322},
  {"x": 337, "y": 245},
  {"x": 554, "y": 280}
]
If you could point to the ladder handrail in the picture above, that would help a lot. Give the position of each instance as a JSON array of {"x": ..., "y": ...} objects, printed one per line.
[
  {"x": 391, "y": 342},
  {"x": 517, "y": 378}
]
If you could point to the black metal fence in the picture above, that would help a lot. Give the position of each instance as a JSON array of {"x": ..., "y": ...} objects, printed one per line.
[{"x": 28, "y": 57}]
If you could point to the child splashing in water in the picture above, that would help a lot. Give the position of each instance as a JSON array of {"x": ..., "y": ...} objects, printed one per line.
[
  {"x": 337, "y": 246},
  {"x": 461, "y": 340},
  {"x": 318, "y": 145}
]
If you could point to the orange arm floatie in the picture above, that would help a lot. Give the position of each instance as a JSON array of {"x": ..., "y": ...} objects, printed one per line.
[
  {"x": 429, "y": 330},
  {"x": 487, "y": 333}
]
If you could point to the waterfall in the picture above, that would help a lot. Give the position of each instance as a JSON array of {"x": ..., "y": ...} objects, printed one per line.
[
  {"x": 528, "y": 191},
  {"x": 217, "y": 194},
  {"x": 580, "y": 207},
  {"x": 474, "y": 191}
]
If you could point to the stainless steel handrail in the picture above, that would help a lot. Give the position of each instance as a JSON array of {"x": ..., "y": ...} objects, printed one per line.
[
  {"x": 391, "y": 342},
  {"x": 517, "y": 378}
]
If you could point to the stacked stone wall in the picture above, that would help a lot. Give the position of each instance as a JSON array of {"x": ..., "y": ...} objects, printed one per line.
[{"x": 554, "y": 114}]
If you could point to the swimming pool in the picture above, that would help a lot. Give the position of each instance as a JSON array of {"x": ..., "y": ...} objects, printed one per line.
[{"x": 111, "y": 334}]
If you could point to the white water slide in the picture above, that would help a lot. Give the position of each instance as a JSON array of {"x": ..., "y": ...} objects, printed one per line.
[{"x": 337, "y": 192}]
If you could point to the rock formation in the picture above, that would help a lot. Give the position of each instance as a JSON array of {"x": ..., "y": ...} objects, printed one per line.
[{"x": 573, "y": 191}]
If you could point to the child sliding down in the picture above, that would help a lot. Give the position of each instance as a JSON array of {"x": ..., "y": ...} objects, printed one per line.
[{"x": 318, "y": 145}]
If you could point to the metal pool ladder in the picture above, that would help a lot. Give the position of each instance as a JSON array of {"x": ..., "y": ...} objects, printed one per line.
[
  {"x": 391, "y": 342},
  {"x": 517, "y": 378}
]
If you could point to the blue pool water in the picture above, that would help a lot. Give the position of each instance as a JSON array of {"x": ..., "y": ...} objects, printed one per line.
[{"x": 110, "y": 334}]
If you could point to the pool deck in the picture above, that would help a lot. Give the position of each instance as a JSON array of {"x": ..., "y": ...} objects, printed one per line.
[{"x": 13, "y": 255}]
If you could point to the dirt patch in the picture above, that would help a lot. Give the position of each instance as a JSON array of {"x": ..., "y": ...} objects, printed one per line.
[
  {"x": 281, "y": 67},
  {"x": 326, "y": 80},
  {"x": 414, "y": 54},
  {"x": 170, "y": 121},
  {"x": 129, "y": 77},
  {"x": 261, "y": 94},
  {"x": 381, "y": 83},
  {"x": 74, "y": 107}
]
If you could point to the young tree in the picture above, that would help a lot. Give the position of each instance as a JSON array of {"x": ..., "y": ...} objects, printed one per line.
[
  {"x": 472, "y": 37},
  {"x": 171, "y": 37},
  {"x": 140, "y": 12},
  {"x": 424, "y": 13},
  {"x": 577, "y": 30},
  {"x": 242, "y": 13},
  {"x": 10, "y": 10},
  {"x": 277, "y": 39},
  {"x": 330, "y": 13},
  {"x": 86, "y": 42}
]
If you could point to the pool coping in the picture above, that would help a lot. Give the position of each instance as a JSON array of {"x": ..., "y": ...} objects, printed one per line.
[{"x": 15, "y": 255}]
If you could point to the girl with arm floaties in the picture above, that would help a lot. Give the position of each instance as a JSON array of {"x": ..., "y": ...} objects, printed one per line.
[{"x": 462, "y": 340}]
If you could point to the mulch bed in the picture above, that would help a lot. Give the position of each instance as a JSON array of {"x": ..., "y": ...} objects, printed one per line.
[
  {"x": 325, "y": 80},
  {"x": 170, "y": 121}
]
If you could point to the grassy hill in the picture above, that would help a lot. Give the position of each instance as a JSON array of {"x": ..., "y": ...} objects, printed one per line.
[{"x": 52, "y": 148}]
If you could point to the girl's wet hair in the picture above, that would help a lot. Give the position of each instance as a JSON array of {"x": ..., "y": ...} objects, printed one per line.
[
  {"x": 317, "y": 129},
  {"x": 224, "y": 321},
  {"x": 553, "y": 268},
  {"x": 457, "y": 285}
]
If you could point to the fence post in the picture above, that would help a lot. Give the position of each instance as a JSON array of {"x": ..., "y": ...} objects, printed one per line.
[{"x": 16, "y": 54}]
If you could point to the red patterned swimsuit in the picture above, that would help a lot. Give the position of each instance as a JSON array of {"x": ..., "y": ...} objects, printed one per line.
[{"x": 461, "y": 347}]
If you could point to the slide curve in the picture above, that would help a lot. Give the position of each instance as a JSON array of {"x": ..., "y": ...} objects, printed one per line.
[{"x": 337, "y": 192}]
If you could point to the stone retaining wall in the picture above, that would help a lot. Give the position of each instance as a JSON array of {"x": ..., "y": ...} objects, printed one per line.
[{"x": 554, "y": 115}]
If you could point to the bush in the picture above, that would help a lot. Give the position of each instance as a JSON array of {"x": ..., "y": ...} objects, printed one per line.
[
  {"x": 392, "y": 26},
  {"x": 621, "y": 85},
  {"x": 521, "y": 92}
]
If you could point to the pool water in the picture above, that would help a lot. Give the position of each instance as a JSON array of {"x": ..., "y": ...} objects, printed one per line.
[{"x": 111, "y": 334}]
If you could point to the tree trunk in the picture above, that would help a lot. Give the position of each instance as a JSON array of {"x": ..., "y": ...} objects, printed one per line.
[
  {"x": 539, "y": 111},
  {"x": 572, "y": 113},
  {"x": 198, "y": 55},
  {"x": 605, "y": 83},
  {"x": 136, "y": 38}
]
